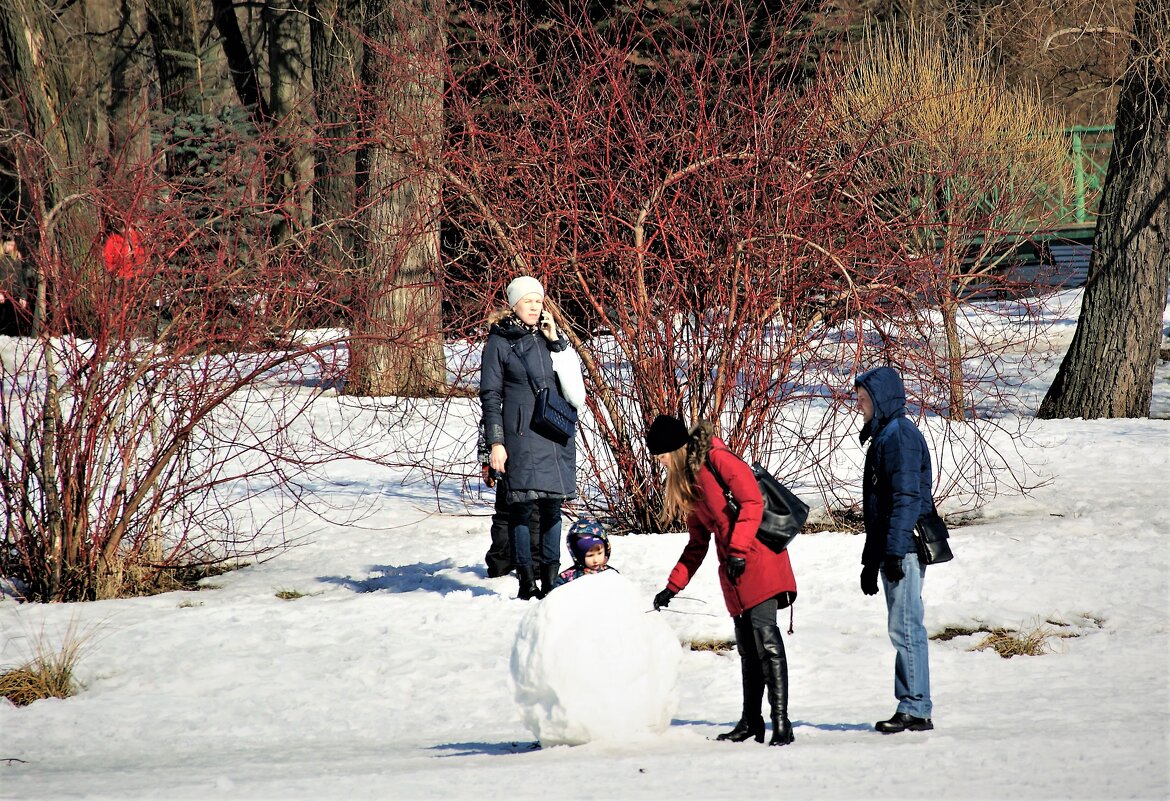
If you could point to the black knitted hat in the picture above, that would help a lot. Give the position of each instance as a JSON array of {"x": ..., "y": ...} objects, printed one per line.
[{"x": 666, "y": 434}]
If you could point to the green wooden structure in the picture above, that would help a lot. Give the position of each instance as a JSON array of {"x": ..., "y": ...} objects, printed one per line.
[
  {"x": 1089, "y": 148},
  {"x": 1059, "y": 255}
]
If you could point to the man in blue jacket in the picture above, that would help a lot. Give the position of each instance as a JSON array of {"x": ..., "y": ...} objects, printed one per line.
[{"x": 896, "y": 492}]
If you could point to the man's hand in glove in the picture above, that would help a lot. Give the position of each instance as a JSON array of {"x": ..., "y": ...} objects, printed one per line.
[
  {"x": 735, "y": 567},
  {"x": 663, "y": 598},
  {"x": 893, "y": 569},
  {"x": 869, "y": 579}
]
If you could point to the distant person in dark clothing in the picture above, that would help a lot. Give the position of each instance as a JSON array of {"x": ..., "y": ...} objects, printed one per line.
[
  {"x": 539, "y": 472},
  {"x": 16, "y": 306},
  {"x": 499, "y": 556},
  {"x": 896, "y": 492}
]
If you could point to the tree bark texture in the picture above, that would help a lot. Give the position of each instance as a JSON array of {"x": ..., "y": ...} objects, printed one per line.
[
  {"x": 129, "y": 86},
  {"x": 1109, "y": 368},
  {"x": 337, "y": 52},
  {"x": 54, "y": 120},
  {"x": 291, "y": 105},
  {"x": 171, "y": 25},
  {"x": 398, "y": 333},
  {"x": 239, "y": 60}
]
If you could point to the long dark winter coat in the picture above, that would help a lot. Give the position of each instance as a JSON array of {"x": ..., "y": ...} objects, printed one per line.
[
  {"x": 768, "y": 574},
  {"x": 537, "y": 467},
  {"x": 897, "y": 479}
]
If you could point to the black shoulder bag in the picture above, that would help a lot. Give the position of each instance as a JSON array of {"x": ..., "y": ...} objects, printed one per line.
[
  {"x": 552, "y": 415},
  {"x": 784, "y": 513},
  {"x": 930, "y": 539}
]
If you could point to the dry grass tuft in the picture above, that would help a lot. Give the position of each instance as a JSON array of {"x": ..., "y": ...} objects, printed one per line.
[
  {"x": 147, "y": 573},
  {"x": 1026, "y": 642},
  {"x": 292, "y": 595},
  {"x": 50, "y": 674},
  {"x": 1033, "y": 641},
  {"x": 718, "y": 646}
]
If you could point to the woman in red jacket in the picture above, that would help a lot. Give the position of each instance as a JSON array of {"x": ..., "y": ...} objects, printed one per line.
[{"x": 756, "y": 581}]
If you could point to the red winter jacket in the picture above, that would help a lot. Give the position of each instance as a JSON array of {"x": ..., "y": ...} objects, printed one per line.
[{"x": 768, "y": 573}]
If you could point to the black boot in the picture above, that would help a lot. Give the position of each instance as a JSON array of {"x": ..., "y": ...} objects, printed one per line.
[
  {"x": 751, "y": 723},
  {"x": 528, "y": 588},
  {"x": 903, "y": 722},
  {"x": 775, "y": 665},
  {"x": 548, "y": 575}
]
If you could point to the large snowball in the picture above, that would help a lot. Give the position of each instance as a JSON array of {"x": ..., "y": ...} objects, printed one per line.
[{"x": 590, "y": 663}]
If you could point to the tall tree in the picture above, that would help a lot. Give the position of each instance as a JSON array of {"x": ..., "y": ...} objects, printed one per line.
[
  {"x": 397, "y": 347},
  {"x": 290, "y": 103},
  {"x": 1109, "y": 368},
  {"x": 55, "y": 119},
  {"x": 337, "y": 53},
  {"x": 171, "y": 24}
]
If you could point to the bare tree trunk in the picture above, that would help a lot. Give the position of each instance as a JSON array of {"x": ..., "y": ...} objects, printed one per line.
[
  {"x": 1109, "y": 368},
  {"x": 398, "y": 341},
  {"x": 290, "y": 104},
  {"x": 127, "y": 110},
  {"x": 243, "y": 71},
  {"x": 171, "y": 24},
  {"x": 956, "y": 392},
  {"x": 337, "y": 52},
  {"x": 37, "y": 59}
]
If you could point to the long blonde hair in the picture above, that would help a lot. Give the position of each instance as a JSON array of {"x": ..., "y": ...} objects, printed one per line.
[{"x": 679, "y": 494}]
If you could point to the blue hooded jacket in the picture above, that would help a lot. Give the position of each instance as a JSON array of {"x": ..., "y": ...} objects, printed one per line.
[{"x": 897, "y": 479}]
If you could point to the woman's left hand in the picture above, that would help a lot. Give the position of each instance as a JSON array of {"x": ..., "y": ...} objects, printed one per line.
[{"x": 736, "y": 565}]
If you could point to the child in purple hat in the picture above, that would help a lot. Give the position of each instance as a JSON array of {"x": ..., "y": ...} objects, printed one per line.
[{"x": 589, "y": 547}]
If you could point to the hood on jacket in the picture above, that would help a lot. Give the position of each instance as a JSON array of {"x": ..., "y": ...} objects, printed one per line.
[
  {"x": 700, "y": 446},
  {"x": 888, "y": 394},
  {"x": 505, "y": 323}
]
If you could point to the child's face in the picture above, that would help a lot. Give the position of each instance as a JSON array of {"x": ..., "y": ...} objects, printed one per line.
[{"x": 595, "y": 557}]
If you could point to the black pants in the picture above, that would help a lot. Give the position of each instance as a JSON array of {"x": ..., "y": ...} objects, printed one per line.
[
  {"x": 499, "y": 555},
  {"x": 523, "y": 535}
]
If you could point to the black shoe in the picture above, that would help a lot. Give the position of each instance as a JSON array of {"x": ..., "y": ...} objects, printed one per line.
[
  {"x": 745, "y": 730},
  {"x": 903, "y": 722},
  {"x": 781, "y": 732}
]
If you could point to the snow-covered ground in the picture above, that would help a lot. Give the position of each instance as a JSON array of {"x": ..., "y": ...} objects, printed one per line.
[{"x": 389, "y": 678}]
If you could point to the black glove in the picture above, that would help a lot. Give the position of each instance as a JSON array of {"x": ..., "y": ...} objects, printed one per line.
[
  {"x": 869, "y": 580},
  {"x": 735, "y": 567},
  {"x": 892, "y": 567},
  {"x": 663, "y": 598}
]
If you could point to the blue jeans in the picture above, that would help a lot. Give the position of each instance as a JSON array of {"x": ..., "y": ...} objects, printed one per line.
[
  {"x": 519, "y": 520},
  {"x": 908, "y": 635}
]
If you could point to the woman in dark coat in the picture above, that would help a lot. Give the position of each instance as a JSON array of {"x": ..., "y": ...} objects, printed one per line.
[
  {"x": 756, "y": 580},
  {"x": 539, "y": 473}
]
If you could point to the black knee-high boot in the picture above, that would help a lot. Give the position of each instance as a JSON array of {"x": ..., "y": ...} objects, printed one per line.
[
  {"x": 548, "y": 575},
  {"x": 528, "y": 588},
  {"x": 751, "y": 722},
  {"x": 775, "y": 665}
]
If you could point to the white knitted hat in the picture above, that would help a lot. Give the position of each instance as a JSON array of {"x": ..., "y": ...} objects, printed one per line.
[{"x": 524, "y": 285}]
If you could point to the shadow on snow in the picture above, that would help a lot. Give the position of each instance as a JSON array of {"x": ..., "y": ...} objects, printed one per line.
[{"x": 440, "y": 577}]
